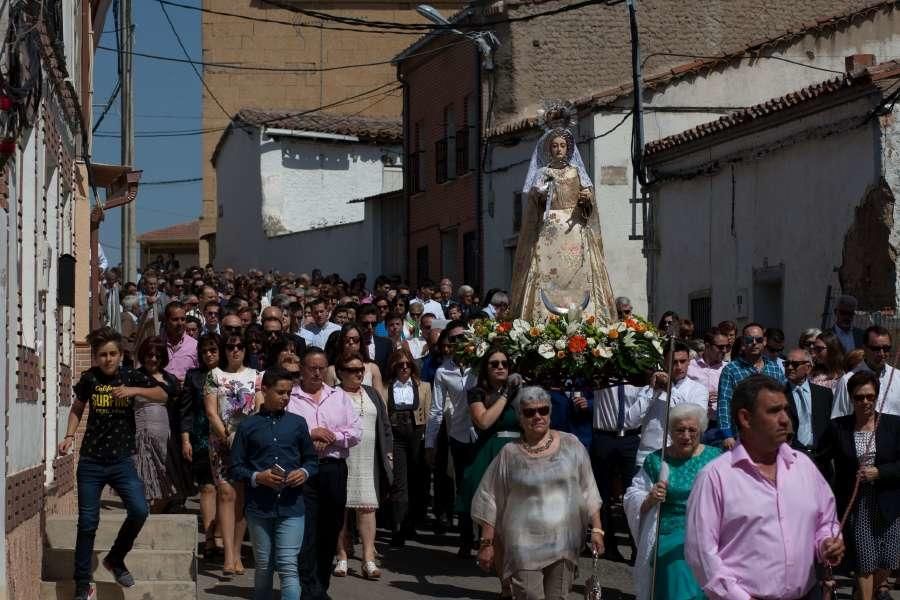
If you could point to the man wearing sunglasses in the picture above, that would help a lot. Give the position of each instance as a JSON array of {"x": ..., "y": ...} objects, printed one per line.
[
  {"x": 750, "y": 361},
  {"x": 878, "y": 349},
  {"x": 706, "y": 370},
  {"x": 850, "y": 337},
  {"x": 809, "y": 407}
]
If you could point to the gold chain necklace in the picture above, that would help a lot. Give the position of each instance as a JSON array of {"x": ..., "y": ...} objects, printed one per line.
[{"x": 540, "y": 448}]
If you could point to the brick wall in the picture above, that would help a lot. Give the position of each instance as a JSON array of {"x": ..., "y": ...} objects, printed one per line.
[
  {"x": 227, "y": 39},
  {"x": 436, "y": 82},
  {"x": 24, "y": 554},
  {"x": 576, "y": 53}
]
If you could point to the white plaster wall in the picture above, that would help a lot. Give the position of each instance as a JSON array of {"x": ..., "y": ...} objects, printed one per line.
[
  {"x": 344, "y": 248},
  {"x": 890, "y": 170},
  {"x": 792, "y": 207},
  {"x": 308, "y": 185}
]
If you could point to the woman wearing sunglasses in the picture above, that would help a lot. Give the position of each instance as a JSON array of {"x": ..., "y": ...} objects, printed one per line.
[
  {"x": 368, "y": 465},
  {"x": 229, "y": 397},
  {"x": 408, "y": 402},
  {"x": 541, "y": 493},
  {"x": 349, "y": 341}
]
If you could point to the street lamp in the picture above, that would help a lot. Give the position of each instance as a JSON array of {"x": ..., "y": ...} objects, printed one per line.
[{"x": 485, "y": 40}]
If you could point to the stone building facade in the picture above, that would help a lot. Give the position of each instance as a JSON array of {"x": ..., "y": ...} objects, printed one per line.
[{"x": 302, "y": 42}]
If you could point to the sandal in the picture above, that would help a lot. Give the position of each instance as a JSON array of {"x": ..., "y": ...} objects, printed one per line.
[
  {"x": 340, "y": 569},
  {"x": 238, "y": 568},
  {"x": 370, "y": 570}
]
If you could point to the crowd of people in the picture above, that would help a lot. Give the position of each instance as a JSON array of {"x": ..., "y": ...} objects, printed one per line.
[{"x": 309, "y": 412}]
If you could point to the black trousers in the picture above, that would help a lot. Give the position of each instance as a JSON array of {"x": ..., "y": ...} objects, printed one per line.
[
  {"x": 612, "y": 455},
  {"x": 325, "y": 496},
  {"x": 463, "y": 456},
  {"x": 408, "y": 487}
]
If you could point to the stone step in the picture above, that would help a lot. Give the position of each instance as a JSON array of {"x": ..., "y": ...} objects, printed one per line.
[
  {"x": 147, "y": 565},
  {"x": 160, "y": 532},
  {"x": 142, "y": 590}
]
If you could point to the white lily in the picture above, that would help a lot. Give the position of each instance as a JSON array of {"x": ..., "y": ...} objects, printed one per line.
[{"x": 546, "y": 350}]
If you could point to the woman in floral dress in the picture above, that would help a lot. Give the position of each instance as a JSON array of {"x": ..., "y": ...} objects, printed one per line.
[{"x": 229, "y": 397}]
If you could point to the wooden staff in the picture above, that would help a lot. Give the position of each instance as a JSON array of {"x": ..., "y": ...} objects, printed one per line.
[{"x": 663, "y": 470}]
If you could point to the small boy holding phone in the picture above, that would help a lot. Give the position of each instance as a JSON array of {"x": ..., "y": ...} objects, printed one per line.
[{"x": 273, "y": 454}]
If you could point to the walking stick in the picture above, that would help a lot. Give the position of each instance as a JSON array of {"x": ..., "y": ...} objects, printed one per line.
[
  {"x": 663, "y": 469},
  {"x": 828, "y": 582}
]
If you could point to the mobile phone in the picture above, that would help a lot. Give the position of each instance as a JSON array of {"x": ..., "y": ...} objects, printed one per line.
[{"x": 278, "y": 470}]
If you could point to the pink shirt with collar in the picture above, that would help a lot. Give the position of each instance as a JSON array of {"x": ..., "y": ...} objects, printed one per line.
[
  {"x": 182, "y": 356},
  {"x": 335, "y": 412},
  {"x": 747, "y": 537}
]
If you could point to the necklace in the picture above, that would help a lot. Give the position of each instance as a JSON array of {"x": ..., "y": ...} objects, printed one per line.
[
  {"x": 358, "y": 398},
  {"x": 537, "y": 449}
]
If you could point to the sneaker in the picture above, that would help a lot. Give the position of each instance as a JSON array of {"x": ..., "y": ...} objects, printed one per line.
[
  {"x": 370, "y": 570},
  {"x": 340, "y": 569},
  {"x": 120, "y": 573},
  {"x": 84, "y": 591}
]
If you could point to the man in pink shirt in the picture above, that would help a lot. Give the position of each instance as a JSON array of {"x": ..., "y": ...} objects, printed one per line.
[
  {"x": 761, "y": 516},
  {"x": 707, "y": 368},
  {"x": 182, "y": 348},
  {"x": 334, "y": 427}
]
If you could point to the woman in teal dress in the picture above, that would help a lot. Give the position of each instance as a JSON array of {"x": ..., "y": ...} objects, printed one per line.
[
  {"x": 495, "y": 420},
  {"x": 662, "y": 490}
]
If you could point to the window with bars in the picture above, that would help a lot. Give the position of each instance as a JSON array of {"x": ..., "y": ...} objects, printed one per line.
[
  {"x": 463, "y": 165},
  {"x": 517, "y": 212},
  {"x": 440, "y": 161},
  {"x": 701, "y": 311},
  {"x": 416, "y": 162},
  {"x": 422, "y": 264}
]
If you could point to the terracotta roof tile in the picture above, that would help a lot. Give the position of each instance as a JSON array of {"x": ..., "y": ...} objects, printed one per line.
[
  {"x": 368, "y": 129},
  {"x": 606, "y": 96},
  {"x": 869, "y": 77},
  {"x": 182, "y": 232}
]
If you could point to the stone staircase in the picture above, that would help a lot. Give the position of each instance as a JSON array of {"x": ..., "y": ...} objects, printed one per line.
[{"x": 163, "y": 561}]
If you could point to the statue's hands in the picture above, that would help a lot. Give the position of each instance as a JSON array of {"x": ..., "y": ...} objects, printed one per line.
[{"x": 585, "y": 196}]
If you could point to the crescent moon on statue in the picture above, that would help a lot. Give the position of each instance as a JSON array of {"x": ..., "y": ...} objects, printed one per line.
[{"x": 556, "y": 310}]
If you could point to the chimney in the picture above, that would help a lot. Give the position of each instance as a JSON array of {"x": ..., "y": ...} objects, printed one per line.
[{"x": 856, "y": 64}]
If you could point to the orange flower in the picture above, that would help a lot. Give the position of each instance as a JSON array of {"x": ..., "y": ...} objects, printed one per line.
[
  {"x": 613, "y": 334},
  {"x": 590, "y": 320},
  {"x": 641, "y": 328},
  {"x": 534, "y": 332},
  {"x": 553, "y": 318},
  {"x": 577, "y": 343},
  {"x": 470, "y": 349},
  {"x": 632, "y": 323},
  {"x": 561, "y": 354},
  {"x": 504, "y": 327}
]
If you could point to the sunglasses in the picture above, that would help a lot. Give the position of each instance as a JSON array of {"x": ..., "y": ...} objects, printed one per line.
[
  {"x": 402, "y": 365},
  {"x": 529, "y": 413},
  {"x": 818, "y": 349},
  {"x": 351, "y": 340},
  {"x": 722, "y": 347},
  {"x": 884, "y": 349},
  {"x": 231, "y": 347},
  {"x": 752, "y": 339},
  {"x": 354, "y": 370},
  {"x": 456, "y": 338},
  {"x": 864, "y": 397},
  {"x": 498, "y": 364},
  {"x": 795, "y": 364},
  {"x": 232, "y": 328}
]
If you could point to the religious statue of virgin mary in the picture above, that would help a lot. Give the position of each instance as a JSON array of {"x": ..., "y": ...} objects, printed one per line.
[{"x": 559, "y": 257}]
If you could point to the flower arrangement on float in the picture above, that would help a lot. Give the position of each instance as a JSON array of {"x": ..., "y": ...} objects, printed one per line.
[{"x": 568, "y": 347}]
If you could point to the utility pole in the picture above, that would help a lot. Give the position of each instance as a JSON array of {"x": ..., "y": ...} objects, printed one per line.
[{"x": 126, "y": 97}]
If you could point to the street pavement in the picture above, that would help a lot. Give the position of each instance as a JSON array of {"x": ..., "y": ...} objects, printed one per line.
[{"x": 425, "y": 568}]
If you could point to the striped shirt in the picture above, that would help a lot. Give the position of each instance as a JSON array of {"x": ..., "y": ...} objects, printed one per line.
[{"x": 735, "y": 372}]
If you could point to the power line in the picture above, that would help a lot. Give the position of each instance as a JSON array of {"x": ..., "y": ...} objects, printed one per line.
[
  {"x": 293, "y": 24},
  {"x": 267, "y": 69},
  {"x": 172, "y": 181},
  {"x": 193, "y": 66},
  {"x": 740, "y": 56},
  {"x": 109, "y": 103}
]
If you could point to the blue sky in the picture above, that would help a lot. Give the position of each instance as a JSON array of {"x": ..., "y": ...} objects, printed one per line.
[{"x": 167, "y": 97}]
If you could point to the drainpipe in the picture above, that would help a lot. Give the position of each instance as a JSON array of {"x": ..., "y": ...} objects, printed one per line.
[
  {"x": 479, "y": 195},
  {"x": 406, "y": 167}
]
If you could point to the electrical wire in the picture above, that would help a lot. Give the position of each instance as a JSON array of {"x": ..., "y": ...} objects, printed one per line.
[
  {"x": 109, "y": 103},
  {"x": 294, "y": 24},
  {"x": 193, "y": 66},
  {"x": 267, "y": 69},
  {"x": 741, "y": 56},
  {"x": 172, "y": 181}
]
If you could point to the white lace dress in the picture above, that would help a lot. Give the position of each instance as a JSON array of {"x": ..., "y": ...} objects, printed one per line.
[{"x": 361, "y": 462}]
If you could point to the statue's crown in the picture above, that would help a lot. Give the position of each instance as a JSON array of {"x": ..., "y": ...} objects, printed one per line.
[{"x": 557, "y": 114}]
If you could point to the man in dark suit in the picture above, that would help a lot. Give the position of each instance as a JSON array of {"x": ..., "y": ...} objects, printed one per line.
[
  {"x": 850, "y": 337},
  {"x": 379, "y": 348},
  {"x": 809, "y": 407}
]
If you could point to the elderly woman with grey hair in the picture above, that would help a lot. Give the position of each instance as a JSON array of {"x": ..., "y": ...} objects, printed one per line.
[
  {"x": 661, "y": 490},
  {"x": 533, "y": 505}
]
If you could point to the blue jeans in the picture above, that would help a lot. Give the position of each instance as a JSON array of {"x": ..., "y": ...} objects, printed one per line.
[
  {"x": 93, "y": 476},
  {"x": 276, "y": 544}
]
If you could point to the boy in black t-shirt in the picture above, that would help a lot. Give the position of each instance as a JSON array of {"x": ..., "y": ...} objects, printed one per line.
[{"x": 106, "y": 454}]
